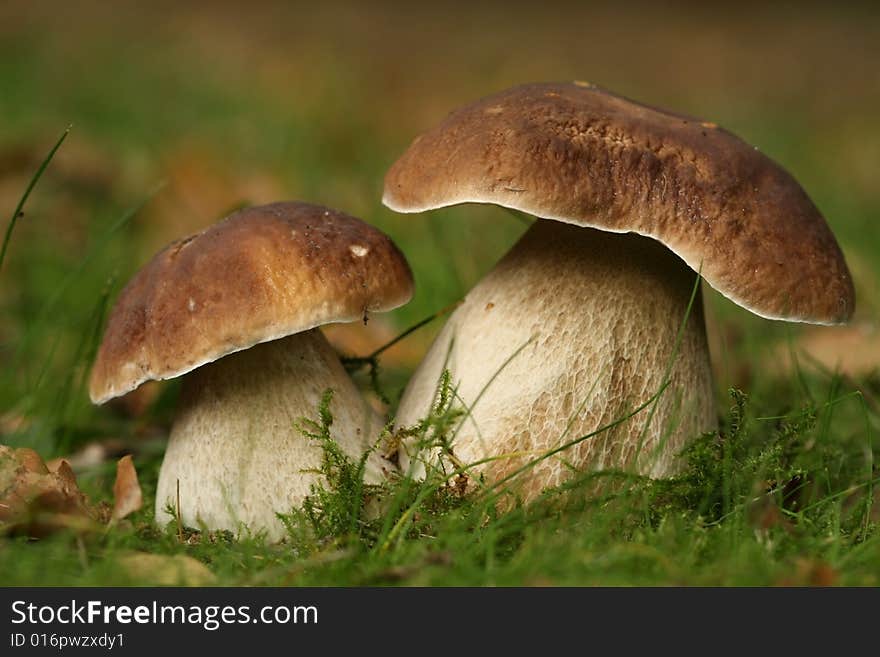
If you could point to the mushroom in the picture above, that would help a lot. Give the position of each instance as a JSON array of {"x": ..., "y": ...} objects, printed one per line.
[
  {"x": 578, "y": 325},
  {"x": 235, "y": 309}
]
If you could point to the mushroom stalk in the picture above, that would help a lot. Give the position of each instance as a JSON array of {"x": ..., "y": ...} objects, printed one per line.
[
  {"x": 595, "y": 317},
  {"x": 236, "y": 448}
]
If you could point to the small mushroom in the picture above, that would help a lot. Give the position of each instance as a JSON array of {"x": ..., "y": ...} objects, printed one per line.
[
  {"x": 575, "y": 327},
  {"x": 235, "y": 309}
]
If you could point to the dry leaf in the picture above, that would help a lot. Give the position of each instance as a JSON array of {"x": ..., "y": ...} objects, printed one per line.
[
  {"x": 36, "y": 501},
  {"x": 127, "y": 496},
  {"x": 163, "y": 570}
]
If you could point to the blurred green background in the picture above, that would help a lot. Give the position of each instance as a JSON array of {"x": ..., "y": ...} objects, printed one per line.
[
  {"x": 230, "y": 103},
  {"x": 225, "y": 104}
]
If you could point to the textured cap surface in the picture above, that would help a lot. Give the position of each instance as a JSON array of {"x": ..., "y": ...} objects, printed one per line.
[
  {"x": 262, "y": 273},
  {"x": 582, "y": 155}
]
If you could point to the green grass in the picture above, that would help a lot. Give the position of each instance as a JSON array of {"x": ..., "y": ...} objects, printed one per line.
[
  {"x": 785, "y": 493},
  {"x": 768, "y": 500}
]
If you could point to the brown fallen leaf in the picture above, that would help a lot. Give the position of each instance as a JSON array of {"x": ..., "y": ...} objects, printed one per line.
[
  {"x": 127, "y": 496},
  {"x": 36, "y": 501},
  {"x": 165, "y": 570}
]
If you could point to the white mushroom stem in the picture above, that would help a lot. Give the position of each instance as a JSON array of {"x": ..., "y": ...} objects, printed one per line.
[
  {"x": 235, "y": 446},
  {"x": 595, "y": 316}
]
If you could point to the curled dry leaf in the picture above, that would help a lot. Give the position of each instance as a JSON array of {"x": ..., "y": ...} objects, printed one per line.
[
  {"x": 127, "y": 494},
  {"x": 37, "y": 501}
]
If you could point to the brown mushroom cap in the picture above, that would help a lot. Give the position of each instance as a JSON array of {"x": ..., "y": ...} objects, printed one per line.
[
  {"x": 582, "y": 155},
  {"x": 261, "y": 274}
]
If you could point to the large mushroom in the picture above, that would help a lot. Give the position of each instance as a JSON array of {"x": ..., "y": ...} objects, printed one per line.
[
  {"x": 577, "y": 325},
  {"x": 235, "y": 309}
]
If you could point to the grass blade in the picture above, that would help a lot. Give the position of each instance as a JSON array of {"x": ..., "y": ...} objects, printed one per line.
[{"x": 19, "y": 209}]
